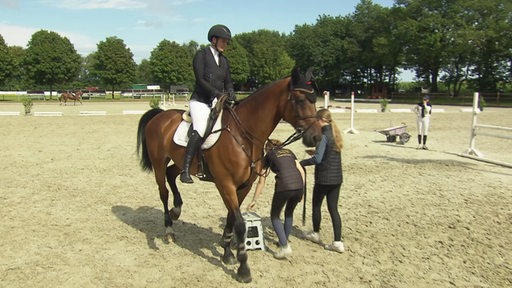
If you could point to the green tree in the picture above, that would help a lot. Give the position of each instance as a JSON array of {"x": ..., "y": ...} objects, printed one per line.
[
  {"x": 6, "y": 63},
  {"x": 143, "y": 74},
  {"x": 192, "y": 48},
  {"x": 268, "y": 58},
  {"x": 378, "y": 56},
  {"x": 491, "y": 23},
  {"x": 113, "y": 63},
  {"x": 428, "y": 24},
  {"x": 87, "y": 75},
  {"x": 18, "y": 79},
  {"x": 350, "y": 52},
  {"x": 239, "y": 63},
  {"x": 321, "y": 46},
  {"x": 51, "y": 59},
  {"x": 171, "y": 64},
  {"x": 456, "y": 70}
]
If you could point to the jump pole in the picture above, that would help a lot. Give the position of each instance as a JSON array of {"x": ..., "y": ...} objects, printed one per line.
[
  {"x": 472, "y": 152},
  {"x": 352, "y": 130}
]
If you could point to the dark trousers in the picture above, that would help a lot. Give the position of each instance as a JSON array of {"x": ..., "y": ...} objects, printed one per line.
[
  {"x": 289, "y": 198},
  {"x": 332, "y": 193}
]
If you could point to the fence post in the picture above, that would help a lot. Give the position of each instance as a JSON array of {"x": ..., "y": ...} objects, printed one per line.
[
  {"x": 352, "y": 130},
  {"x": 472, "y": 150}
]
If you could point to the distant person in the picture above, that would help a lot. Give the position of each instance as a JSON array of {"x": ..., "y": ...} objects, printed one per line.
[
  {"x": 328, "y": 179},
  {"x": 289, "y": 188},
  {"x": 423, "y": 111},
  {"x": 213, "y": 79}
]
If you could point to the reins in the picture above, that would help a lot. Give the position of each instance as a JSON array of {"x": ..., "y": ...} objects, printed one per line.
[{"x": 253, "y": 139}]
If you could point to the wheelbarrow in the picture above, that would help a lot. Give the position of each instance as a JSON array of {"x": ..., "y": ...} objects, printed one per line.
[{"x": 394, "y": 133}]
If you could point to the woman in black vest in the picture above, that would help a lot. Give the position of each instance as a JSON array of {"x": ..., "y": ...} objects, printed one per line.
[
  {"x": 213, "y": 79},
  {"x": 328, "y": 179}
]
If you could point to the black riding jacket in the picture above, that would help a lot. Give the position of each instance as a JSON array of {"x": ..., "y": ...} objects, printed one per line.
[{"x": 212, "y": 80}]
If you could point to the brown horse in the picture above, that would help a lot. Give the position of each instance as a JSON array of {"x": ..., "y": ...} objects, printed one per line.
[
  {"x": 234, "y": 161},
  {"x": 76, "y": 96}
]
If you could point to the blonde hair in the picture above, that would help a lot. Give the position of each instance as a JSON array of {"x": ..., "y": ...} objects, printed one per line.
[
  {"x": 271, "y": 144},
  {"x": 325, "y": 115}
]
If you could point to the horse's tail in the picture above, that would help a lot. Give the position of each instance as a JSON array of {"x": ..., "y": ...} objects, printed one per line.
[{"x": 143, "y": 154}]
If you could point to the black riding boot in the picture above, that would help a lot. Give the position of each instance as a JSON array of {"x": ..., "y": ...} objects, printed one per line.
[
  {"x": 425, "y": 142},
  {"x": 193, "y": 144}
]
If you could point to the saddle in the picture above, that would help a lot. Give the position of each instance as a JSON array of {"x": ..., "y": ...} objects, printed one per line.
[{"x": 212, "y": 134}]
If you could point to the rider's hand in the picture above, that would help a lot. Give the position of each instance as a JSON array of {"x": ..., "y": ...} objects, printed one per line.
[
  {"x": 231, "y": 100},
  {"x": 229, "y": 103}
]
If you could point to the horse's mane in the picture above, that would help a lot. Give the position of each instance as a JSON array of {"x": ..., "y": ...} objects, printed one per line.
[{"x": 264, "y": 87}]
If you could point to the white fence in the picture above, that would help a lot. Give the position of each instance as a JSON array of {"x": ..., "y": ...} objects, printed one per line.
[{"x": 482, "y": 129}]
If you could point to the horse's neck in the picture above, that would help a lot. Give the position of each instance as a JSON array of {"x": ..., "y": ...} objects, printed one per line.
[{"x": 262, "y": 111}]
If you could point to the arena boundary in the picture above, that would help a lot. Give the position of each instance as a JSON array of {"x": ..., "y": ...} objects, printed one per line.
[
  {"x": 9, "y": 113},
  {"x": 48, "y": 113},
  {"x": 133, "y": 112},
  {"x": 476, "y": 128},
  {"x": 93, "y": 113}
]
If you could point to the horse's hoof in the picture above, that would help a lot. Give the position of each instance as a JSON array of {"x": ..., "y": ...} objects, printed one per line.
[
  {"x": 169, "y": 234},
  {"x": 243, "y": 278},
  {"x": 175, "y": 213},
  {"x": 247, "y": 279},
  {"x": 229, "y": 260}
]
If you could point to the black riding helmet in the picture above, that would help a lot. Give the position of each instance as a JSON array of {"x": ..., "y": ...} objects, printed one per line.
[{"x": 219, "y": 31}]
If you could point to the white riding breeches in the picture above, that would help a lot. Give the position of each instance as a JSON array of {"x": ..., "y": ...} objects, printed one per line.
[
  {"x": 199, "y": 112},
  {"x": 423, "y": 125}
]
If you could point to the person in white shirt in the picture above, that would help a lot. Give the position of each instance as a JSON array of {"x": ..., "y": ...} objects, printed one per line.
[{"x": 423, "y": 110}]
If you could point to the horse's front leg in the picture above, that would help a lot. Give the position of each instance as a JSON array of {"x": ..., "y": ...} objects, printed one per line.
[
  {"x": 236, "y": 221},
  {"x": 227, "y": 238},
  {"x": 243, "y": 273}
]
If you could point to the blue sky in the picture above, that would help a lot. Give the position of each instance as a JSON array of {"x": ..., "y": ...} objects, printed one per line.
[{"x": 143, "y": 24}]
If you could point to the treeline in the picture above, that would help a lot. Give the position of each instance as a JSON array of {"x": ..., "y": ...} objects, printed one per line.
[{"x": 460, "y": 43}]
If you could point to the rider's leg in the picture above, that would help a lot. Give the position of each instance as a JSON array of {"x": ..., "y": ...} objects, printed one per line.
[
  {"x": 199, "y": 112},
  {"x": 192, "y": 146}
]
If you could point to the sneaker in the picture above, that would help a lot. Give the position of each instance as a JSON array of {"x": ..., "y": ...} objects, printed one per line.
[
  {"x": 425, "y": 147},
  {"x": 313, "y": 237},
  {"x": 283, "y": 252},
  {"x": 419, "y": 147},
  {"x": 336, "y": 246}
]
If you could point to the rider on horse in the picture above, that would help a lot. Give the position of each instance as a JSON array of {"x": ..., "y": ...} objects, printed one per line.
[{"x": 213, "y": 79}]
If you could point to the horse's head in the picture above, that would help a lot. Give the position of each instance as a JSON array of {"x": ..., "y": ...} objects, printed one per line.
[{"x": 301, "y": 110}]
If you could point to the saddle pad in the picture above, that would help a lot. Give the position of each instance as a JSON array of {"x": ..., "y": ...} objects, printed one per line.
[{"x": 181, "y": 137}]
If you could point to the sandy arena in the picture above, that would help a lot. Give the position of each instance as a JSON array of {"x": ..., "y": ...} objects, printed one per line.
[{"x": 77, "y": 210}]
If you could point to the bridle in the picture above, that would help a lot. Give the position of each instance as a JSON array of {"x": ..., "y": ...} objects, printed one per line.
[{"x": 299, "y": 132}]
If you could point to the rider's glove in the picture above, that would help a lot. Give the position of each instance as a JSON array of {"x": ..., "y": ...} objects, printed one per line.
[{"x": 230, "y": 101}]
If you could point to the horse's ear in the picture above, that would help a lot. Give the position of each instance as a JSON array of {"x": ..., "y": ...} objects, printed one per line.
[
  {"x": 295, "y": 75},
  {"x": 309, "y": 74}
]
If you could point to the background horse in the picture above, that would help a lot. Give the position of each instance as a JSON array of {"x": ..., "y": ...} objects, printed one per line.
[
  {"x": 76, "y": 96},
  {"x": 235, "y": 160}
]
